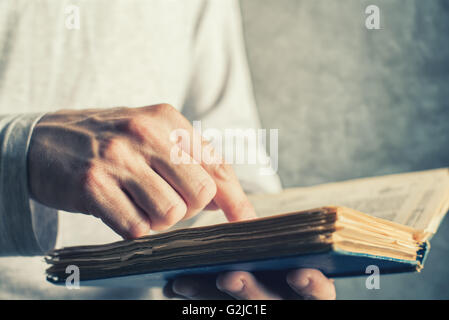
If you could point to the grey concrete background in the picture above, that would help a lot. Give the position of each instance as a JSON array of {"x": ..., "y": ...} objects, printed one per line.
[{"x": 351, "y": 102}]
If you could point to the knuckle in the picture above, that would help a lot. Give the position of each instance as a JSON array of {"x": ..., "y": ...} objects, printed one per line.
[
  {"x": 175, "y": 213},
  {"x": 170, "y": 217},
  {"x": 301, "y": 276},
  {"x": 207, "y": 189},
  {"x": 136, "y": 229},
  {"x": 162, "y": 109},
  {"x": 135, "y": 123},
  {"x": 221, "y": 171},
  {"x": 137, "y": 126},
  {"x": 312, "y": 284},
  {"x": 186, "y": 287},
  {"x": 241, "y": 208},
  {"x": 297, "y": 278},
  {"x": 145, "y": 130},
  {"x": 210, "y": 155},
  {"x": 92, "y": 178},
  {"x": 113, "y": 149},
  {"x": 231, "y": 281}
]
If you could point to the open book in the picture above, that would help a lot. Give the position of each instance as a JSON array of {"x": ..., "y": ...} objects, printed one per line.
[{"x": 339, "y": 228}]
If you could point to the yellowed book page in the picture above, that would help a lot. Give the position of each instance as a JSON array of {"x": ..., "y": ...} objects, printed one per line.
[{"x": 418, "y": 199}]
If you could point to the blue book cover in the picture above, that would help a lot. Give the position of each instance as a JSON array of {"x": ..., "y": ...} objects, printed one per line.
[
  {"x": 322, "y": 238},
  {"x": 334, "y": 263}
]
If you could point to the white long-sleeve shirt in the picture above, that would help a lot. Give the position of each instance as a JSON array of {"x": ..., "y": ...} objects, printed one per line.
[{"x": 125, "y": 53}]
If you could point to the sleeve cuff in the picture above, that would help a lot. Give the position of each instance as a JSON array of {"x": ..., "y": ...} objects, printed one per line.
[{"x": 26, "y": 227}]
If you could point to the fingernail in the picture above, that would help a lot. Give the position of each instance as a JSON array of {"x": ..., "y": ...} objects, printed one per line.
[
  {"x": 301, "y": 283},
  {"x": 230, "y": 284}
]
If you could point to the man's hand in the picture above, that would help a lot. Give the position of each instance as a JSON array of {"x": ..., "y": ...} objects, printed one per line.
[
  {"x": 296, "y": 284},
  {"x": 115, "y": 164}
]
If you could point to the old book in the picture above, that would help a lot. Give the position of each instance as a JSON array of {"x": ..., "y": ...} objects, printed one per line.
[{"x": 339, "y": 228}]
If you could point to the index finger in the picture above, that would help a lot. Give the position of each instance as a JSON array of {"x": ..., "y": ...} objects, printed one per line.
[{"x": 230, "y": 196}]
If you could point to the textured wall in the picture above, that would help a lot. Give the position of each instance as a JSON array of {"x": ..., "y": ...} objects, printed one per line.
[{"x": 351, "y": 102}]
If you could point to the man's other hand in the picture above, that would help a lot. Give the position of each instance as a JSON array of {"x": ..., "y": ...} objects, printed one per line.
[{"x": 296, "y": 284}]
